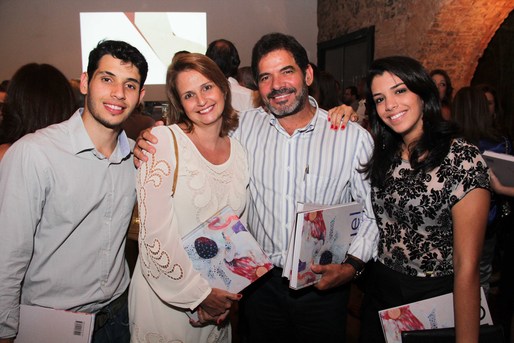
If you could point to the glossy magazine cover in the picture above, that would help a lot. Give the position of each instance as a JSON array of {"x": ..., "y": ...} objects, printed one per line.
[
  {"x": 322, "y": 235},
  {"x": 225, "y": 253}
]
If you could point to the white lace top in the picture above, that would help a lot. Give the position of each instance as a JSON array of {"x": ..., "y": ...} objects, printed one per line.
[{"x": 163, "y": 274}]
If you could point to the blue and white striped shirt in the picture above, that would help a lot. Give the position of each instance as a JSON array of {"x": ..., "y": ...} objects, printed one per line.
[{"x": 313, "y": 165}]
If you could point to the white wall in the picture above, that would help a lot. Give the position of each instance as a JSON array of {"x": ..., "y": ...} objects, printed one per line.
[{"x": 48, "y": 31}]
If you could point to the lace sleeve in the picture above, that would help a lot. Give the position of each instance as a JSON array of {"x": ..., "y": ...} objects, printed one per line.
[{"x": 164, "y": 263}]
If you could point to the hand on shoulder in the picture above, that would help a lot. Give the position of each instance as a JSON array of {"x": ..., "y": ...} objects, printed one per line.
[
  {"x": 340, "y": 116},
  {"x": 144, "y": 142}
]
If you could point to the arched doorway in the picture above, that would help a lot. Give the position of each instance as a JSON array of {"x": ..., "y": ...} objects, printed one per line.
[{"x": 496, "y": 67}]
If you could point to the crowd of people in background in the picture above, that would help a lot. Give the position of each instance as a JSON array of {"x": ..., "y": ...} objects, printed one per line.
[{"x": 399, "y": 141}]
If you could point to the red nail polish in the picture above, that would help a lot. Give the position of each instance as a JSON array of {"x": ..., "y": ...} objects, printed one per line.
[
  {"x": 342, "y": 127},
  {"x": 328, "y": 118}
]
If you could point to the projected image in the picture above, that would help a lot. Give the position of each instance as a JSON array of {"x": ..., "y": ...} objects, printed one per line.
[{"x": 158, "y": 35}]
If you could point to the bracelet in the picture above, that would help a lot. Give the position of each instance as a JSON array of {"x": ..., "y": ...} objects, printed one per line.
[{"x": 357, "y": 265}]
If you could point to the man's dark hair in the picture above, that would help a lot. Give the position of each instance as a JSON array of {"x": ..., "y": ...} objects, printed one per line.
[
  {"x": 278, "y": 41},
  {"x": 225, "y": 55},
  {"x": 120, "y": 50},
  {"x": 4, "y": 85}
]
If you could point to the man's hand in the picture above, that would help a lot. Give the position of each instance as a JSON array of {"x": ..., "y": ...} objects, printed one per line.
[
  {"x": 333, "y": 275},
  {"x": 339, "y": 117},
  {"x": 7, "y": 340},
  {"x": 144, "y": 143}
]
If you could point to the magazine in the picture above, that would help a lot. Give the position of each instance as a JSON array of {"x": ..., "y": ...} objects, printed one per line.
[
  {"x": 322, "y": 234},
  {"x": 65, "y": 326},
  {"x": 433, "y": 313},
  {"x": 502, "y": 166},
  {"x": 225, "y": 253}
]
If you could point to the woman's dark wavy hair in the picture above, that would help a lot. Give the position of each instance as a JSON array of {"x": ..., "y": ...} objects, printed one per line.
[
  {"x": 502, "y": 122},
  {"x": 434, "y": 144},
  {"x": 471, "y": 113},
  {"x": 205, "y": 66},
  {"x": 278, "y": 41},
  {"x": 38, "y": 95}
]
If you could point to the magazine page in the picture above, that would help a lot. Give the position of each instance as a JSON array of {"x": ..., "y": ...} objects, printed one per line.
[
  {"x": 502, "y": 166},
  {"x": 286, "y": 272},
  {"x": 47, "y": 325},
  {"x": 323, "y": 235},
  {"x": 433, "y": 313},
  {"x": 226, "y": 253}
]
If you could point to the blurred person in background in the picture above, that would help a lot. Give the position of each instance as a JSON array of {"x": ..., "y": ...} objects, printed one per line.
[
  {"x": 444, "y": 86},
  {"x": 225, "y": 55},
  {"x": 39, "y": 95},
  {"x": 350, "y": 97},
  {"x": 471, "y": 112},
  {"x": 329, "y": 91},
  {"x": 245, "y": 79},
  {"x": 3, "y": 95}
]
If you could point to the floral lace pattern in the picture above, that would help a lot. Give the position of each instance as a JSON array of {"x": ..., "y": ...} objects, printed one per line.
[
  {"x": 413, "y": 211},
  {"x": 218, "y": 334},
  {"x": 157, "y": 260},
  {"x": 210, "y": 186},
  {"x": 165, "y": 284}
]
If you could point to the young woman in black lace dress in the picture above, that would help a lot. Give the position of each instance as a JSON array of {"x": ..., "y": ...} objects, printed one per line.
[{"x": 430, "y": 192}]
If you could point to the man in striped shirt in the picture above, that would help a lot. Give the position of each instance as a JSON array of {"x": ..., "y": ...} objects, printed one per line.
[{"x": 295, "y": 156}]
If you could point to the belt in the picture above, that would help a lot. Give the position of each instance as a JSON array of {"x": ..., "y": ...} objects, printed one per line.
[{"x": 110, "y": 310}]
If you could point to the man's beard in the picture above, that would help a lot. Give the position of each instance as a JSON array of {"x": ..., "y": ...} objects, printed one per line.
[
  {"x": 93, "y": 108},
  {"x": 284, "y": 111}
]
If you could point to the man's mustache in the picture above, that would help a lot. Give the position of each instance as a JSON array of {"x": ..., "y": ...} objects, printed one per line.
[{"x": 281, "y": 91}]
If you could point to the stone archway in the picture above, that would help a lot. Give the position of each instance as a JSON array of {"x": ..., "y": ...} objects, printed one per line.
[
  {"x": 459, "y": 34},
  {"x": 446, "y": 34}
]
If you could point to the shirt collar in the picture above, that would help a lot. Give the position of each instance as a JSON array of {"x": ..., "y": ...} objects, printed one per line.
[{"x": 81, "y": 142}]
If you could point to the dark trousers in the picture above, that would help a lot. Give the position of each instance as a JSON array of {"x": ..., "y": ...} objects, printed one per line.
[
  {"x": 385, "y": 288},
  {"x": 112, "y": 323},
  {"x": 272, "y": 312}
]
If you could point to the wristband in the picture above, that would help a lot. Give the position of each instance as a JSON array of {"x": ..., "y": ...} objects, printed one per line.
[{"x": 357, "y": 265}]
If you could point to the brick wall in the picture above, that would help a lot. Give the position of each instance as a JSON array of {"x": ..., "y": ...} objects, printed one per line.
[{"x": 446, "y": 34}]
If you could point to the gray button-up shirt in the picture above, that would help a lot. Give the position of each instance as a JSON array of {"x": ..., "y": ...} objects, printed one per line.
[{"x": 64, "y": 213}]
